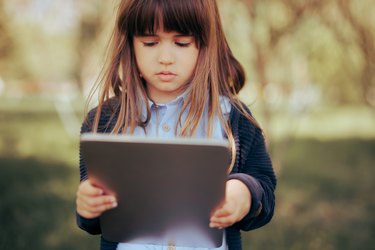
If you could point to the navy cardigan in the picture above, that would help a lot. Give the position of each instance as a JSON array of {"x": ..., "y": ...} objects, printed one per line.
[{"x": 252, "y": 166}]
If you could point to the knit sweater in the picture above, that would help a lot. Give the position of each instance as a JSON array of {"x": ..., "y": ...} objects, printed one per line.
[{"x": 252, "y": 166}]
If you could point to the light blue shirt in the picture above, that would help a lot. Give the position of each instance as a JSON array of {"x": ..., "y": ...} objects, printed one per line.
[{"x": 163, "y": 121}]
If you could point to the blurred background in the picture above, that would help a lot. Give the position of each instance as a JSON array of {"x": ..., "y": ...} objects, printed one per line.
[{"x": 310, "y": 82}]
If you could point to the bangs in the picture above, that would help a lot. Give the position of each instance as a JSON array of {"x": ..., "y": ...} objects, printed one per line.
[{"x": 146, "y": 17}]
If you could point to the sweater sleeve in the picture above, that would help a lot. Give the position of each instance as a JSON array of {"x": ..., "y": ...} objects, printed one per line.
[
  {"x": 105, "y": 125},
  {"x": 91, "y": 226},
  {"x": 254, "y": 169}
]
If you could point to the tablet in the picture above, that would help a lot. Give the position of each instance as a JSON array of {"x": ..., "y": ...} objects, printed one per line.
[{"x": 166, "y": 188}]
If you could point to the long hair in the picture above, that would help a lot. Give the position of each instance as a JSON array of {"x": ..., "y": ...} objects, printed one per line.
[{"x": 217, "y": 72}]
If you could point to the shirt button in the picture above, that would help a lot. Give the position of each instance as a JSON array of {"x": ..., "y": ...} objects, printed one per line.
[
  {"x": 171, "y": 245},
  {"x": 166, "y": 127}
]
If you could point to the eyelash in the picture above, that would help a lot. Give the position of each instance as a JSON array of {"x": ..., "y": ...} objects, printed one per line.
[
  {"x": 184, "y": 45},
  {"x": 151, "y": 44}
]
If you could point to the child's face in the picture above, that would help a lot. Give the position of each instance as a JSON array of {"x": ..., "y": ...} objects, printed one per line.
[{"x": 167, "y": 62}]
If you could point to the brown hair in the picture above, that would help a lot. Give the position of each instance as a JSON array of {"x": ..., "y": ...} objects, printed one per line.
[{"x": 217, "y": 72}]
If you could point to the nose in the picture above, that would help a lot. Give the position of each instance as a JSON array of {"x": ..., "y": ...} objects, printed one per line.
[{"x": 166, "y": 56}]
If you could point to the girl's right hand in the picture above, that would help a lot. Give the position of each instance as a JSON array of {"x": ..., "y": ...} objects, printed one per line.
[{"x": 91, "y": 202}]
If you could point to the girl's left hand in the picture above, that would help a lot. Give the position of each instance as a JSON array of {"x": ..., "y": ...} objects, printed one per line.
[{"x": 236, "y": 205}]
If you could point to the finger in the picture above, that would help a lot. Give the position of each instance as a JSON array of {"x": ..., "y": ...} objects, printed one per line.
[
  {"x": 92, "y": 203},
  {"x": 85, "y": 211},
  {"x": 100, "y": 208},
  {"x": 88, "y": 189},
  {"x": 87, "y": 214},
  {"x": 224, "y": 217},
  {"x": 221, "y": 213},
  {"x": 98, "y": 201},
  {"x": 88, "y": 209},
  {"x": 225, "y": 210},
  {"x": 222, "y": 222}
]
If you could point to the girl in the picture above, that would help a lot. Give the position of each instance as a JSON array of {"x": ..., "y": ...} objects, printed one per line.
[{"x": 172, "y": 73}]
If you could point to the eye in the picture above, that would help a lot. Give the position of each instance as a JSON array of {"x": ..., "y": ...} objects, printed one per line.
[
  {"x": 183, "y": 44},
  {"x": 184, "y": 41},
  {"x": 149, "y": 43}
]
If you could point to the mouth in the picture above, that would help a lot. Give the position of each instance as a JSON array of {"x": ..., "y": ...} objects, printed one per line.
[
  {"x": 166, "y": 73},
  {"x": 166, "y": 76}
]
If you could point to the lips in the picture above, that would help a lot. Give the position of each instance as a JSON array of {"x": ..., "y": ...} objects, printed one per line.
[{"x": 166, "y": 76}]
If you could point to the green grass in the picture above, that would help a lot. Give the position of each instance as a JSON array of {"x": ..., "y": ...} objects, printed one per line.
[
  {"x": 37, "y": 206},
  {"x": 38, "y": 180},
  {"x": 32, "y": 128},
  {"x": 324, "y": 198},
  {"x": 324, "y": 194}
]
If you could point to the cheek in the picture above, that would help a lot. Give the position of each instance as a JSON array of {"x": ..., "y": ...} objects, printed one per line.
[
  {"x": 192, "y": 60},
  {"x": 140, "y": 57},
  {"x": 142, "y": 65},
  {"x": 137, "y": 56},
  {"x": 193, "y": 65}
]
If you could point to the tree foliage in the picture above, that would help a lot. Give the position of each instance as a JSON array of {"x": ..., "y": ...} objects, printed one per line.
[
  {"x": 329, "y": 44},
  {"x": 284, "y": 44}
]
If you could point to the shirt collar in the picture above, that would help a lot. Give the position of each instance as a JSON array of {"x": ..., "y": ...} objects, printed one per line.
[
  {"x": 225, "y": 103},
  {"x": 179, "y": 99}
]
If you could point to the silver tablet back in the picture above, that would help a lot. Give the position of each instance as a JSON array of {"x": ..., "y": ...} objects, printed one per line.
[{"x": 166, "y": 188}]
